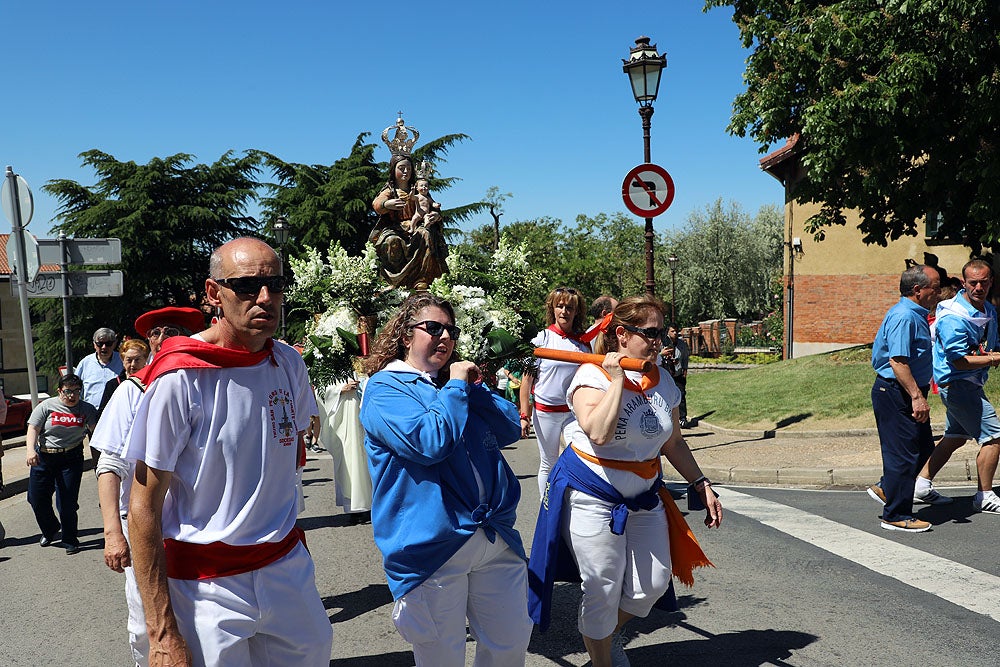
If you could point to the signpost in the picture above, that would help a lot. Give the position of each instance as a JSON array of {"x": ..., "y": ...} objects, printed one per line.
[
  {"x": 81, "y": 283},
  {"x": 26, "y": 255},
  {"x": 648, "y": 190},
  {"x": 18, "y": 205},
  {"x": 80, "y": 251},
  {"x": 30, "y": 251}
]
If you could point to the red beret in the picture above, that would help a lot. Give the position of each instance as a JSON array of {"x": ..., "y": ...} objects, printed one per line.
[{"x": 191, "y": 319}]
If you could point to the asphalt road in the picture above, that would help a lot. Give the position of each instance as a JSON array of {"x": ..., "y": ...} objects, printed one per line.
[{"x": 802, "y": 578}]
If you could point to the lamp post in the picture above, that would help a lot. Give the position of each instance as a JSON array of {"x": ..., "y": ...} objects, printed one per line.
[
  {"x": 281, "y": 236},
  {"x": 643, "y": 68},
  {"x": 672, "y": 262}
]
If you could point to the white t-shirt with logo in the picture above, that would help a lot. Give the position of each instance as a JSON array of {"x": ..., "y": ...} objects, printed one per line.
[
  {"x": 230, "y": 438},
  {"x": 645, "y": 422}
]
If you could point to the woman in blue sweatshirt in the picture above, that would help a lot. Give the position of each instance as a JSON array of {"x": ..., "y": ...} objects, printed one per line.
[{"x": 444, "y": 498}]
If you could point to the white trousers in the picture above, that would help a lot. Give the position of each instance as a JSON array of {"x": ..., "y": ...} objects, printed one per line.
[
  {"x": 628, "y": 572},
  {"x": 138, "y": 640},
  {"x": 548, "y": 428},
  {"x": 272, "y": 616},
  {"x": 486, "y": 583}
]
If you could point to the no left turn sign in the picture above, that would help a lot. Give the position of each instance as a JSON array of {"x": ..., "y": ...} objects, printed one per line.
[{"x": 648, "y": 190}]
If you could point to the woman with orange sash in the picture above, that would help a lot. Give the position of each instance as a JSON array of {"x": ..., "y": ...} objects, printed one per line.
[
  {"x": 606, "y": 500},
  {"x": 548, "y": 412}
]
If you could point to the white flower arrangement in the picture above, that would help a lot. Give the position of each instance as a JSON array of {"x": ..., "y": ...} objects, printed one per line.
[{"x": 344, "y": 289}]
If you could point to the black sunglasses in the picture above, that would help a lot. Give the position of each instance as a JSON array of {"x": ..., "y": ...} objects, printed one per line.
[
  {"x": 168, "y": 332},
  {"x": 251, "y": 284},
  {"x": 567, "y": 290},
  {"x": 645, "y": 332},
  {"x": 435, "y": 329},
  {"x": 104, "y": 343}
]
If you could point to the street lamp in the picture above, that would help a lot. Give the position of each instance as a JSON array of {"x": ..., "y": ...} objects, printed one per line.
[
  {"x": 281, "y": 236},
  {"x": 643, "y": 67},
  {"x": 672, "y": 262}
]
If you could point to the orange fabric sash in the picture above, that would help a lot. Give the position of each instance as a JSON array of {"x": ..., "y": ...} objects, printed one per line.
[
  {"x": 685, "y": 551},
  {"x": 645, "y": 469},
  {"x": 649, "y": 380}
]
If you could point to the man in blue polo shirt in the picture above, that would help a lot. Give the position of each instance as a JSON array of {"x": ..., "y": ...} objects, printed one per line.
[
  {"x": 901, "y": 357},
  {"x": 964, "y": 350}
]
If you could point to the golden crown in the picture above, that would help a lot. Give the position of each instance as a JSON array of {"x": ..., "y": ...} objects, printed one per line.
[{"x": 401, "y": 143}]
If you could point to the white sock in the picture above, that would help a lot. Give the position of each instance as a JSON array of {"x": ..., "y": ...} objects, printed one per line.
[{"x": 923, "y": 486}]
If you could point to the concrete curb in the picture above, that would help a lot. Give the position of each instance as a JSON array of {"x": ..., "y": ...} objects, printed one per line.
[
  {"x": 954, "y": 472},
  {"x": 780, "y": 433}
]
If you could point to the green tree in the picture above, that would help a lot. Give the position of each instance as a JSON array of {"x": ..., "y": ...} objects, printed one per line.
[
  {"x": 494, "y": 202},
  {"x": 598, "y": 255},
  {"x": 727, "y": 263},
  {"x": 895, "y": 103},
  {"x": 169, "y": 217}
]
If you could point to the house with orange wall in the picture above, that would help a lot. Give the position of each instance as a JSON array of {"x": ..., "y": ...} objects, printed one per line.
[{"x": 837, "y": 290}]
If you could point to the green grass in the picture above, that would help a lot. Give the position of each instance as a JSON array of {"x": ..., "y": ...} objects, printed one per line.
[{"x": 815, "y": 392}]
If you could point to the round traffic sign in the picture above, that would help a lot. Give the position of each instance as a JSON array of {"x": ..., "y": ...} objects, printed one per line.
[
  {"x": 16, "y": 199},
  {"x": 648, "y": 190}
]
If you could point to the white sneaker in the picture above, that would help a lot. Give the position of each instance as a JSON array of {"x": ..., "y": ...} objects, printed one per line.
[
  {"x": 989, "y": 504},
  {"x": 618, "y": 657},
  {"x": 931, "y": 497}
]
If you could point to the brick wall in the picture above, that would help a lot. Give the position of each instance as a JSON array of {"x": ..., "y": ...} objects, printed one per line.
[{"x": 842, "y": 309}]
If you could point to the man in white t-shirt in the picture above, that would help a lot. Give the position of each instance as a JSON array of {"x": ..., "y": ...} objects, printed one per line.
[{"x": 223, "y": 571}]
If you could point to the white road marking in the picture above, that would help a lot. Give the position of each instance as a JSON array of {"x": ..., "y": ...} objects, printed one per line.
[{"x": 962, "y": 585}]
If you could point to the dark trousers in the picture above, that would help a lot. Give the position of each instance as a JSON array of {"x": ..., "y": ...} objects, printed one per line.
[
  {"x": 682, "y": 409},
  {"x": 60, "y": 473},
  {"x": 906, "y": 446}
]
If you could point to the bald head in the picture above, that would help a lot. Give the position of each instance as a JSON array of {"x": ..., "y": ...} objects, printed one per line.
[{"x": 226, "y": 255}]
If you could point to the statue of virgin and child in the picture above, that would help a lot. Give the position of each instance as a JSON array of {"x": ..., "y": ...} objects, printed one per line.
[{"x": 408, "y": 238}]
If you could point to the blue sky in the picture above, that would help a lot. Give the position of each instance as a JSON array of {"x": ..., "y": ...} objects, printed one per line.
[{"x": 537, "y": 85}]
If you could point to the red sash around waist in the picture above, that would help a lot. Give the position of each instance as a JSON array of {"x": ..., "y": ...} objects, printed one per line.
[
  {"x": 187, "y": 560},
  {"x": 541, "y": 407}
]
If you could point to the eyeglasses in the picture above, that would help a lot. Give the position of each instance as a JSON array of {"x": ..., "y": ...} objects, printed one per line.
[
  {"x": 104, "y": 343},
  {"x": 646, "y": 332},
  {"x": 435, "y": 329},
  {"x": 70, "y": 392},
  {"x": 251, "y": 284},
  {"x": 166, "y": 332},
  {"x": 567, "y": 290}
]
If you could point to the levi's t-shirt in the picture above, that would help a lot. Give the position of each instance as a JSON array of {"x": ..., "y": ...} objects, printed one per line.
[{"x": 61, "y": 426}]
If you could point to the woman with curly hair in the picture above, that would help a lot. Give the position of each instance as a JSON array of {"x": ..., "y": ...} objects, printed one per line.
[
  {"x": 564, "y": 315},
  {"x": 444, "y": 498}
]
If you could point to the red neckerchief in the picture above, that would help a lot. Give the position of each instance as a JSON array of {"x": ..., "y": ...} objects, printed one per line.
[
  {"x": 183, "y": 352},
  {"x": 649, "y": 380},
  {"x": 556, "y": 330},
  {"x": 599, "y": 326}
]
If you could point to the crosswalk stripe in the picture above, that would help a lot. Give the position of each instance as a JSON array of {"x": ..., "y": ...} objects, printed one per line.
[{"x": 967, "y": 587}]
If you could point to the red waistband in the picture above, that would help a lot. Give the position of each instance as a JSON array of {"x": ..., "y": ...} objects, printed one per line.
[
  {"x": 541, "y": 407},
  {"x": 187, "y": 560}
]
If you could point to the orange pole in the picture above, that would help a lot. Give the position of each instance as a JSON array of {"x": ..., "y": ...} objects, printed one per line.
[{"x": 627, "y": 363}]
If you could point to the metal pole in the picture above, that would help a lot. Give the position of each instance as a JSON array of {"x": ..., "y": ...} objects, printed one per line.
[
  {"x": 673, "y": 298},
  {"x": 646, "y": 113},
  {"x": 22, "y": 288},
  {"x": 281, "y": 261},
  {"x": 64, "y": 271}
]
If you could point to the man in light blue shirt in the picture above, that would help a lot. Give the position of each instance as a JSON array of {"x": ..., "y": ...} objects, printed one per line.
[
  {"x": 901, "y": 357},
  {"x": 964, "y": 350}
]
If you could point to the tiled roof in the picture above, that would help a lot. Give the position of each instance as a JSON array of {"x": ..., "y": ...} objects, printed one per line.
[{"x": 775, "y": 158}]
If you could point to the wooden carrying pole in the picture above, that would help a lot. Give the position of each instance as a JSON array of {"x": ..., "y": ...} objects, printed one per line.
[{"x": 627, "y": 363}]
